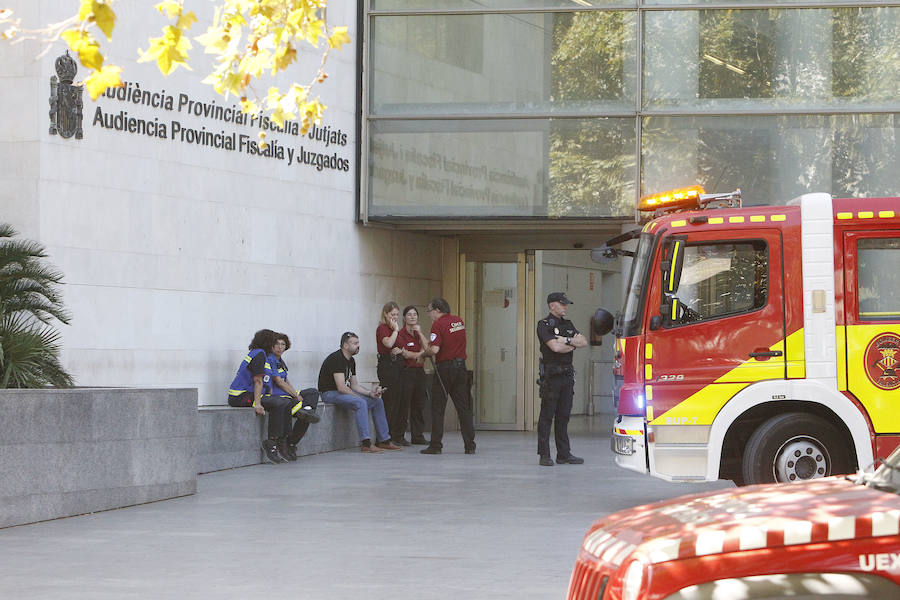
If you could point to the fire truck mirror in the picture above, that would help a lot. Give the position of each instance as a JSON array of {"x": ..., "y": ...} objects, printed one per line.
[
  {"x": 655, "y": 322},
  {"x": 675, "y": 270},
  {"x": 603, "y": 255},
  {"x": 601, "y": 324}
]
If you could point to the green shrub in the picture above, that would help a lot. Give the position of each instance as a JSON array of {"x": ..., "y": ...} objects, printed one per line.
[{"x": 30, "y": 302}]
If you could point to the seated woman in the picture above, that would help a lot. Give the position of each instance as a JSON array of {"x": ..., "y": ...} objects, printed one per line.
[
  {"x": 252, "y": 386},
  {"x": 302, "y": 402}
]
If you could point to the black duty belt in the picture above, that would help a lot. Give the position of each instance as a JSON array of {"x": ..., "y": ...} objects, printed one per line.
[
  {"x": 454, "y": 362},
  {"x": 551, "y": 369}
]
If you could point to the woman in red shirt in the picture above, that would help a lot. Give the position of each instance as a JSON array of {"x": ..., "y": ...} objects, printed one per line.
[
  {"x": 390, "y": 362},
  {"x": 411, "y": 402}
]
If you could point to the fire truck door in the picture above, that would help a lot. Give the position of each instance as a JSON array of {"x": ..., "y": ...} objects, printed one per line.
[
  {"x": 872, "y": 316},
  {"x": 715, "y": 323}
]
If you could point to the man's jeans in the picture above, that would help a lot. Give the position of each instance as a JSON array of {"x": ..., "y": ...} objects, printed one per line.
[{"x": 361, "y": 405}]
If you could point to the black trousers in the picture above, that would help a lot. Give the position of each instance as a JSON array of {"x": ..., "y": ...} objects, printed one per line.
[
  {"x": 455, "y": 378},
  {"x": 389, "y": 369},
  {"x": 279, "y": 410},
  {"x": 412, "y": 401},
  {"x": 556, "y": 407},
  {"x": 309, "y": 397}
]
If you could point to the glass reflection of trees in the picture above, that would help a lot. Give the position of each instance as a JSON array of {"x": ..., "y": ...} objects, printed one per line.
[
  {"x": 592, "y": 162},
  {"x": 761, "y": 59}
]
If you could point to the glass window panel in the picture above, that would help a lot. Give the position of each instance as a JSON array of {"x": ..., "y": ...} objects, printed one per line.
[
  {"x": 475, "y": 5},
  {"x": 509, "y": 64},
  {"x": 879, "y": 279},
  {"x": 738, "y": 2},
  {"x": 508, "y": 168},
  {"x": 769, "y": 59},
  {"x": 721, "y": 279},
  {"x": 773, "y": 158}
]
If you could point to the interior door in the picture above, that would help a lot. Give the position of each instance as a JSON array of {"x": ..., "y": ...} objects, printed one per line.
[
  {"x": 494, "y": 307},
  {"x": 715, "y": 323}
]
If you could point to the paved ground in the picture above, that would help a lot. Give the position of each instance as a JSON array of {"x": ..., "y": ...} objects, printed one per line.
[{"x": 341, "y": 526}]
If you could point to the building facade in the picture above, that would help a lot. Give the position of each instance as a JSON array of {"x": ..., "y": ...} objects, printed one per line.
[
  {"x": 176, "y": 238},
  {"x": 528, "y": 129},
  {"x": 471, "y": 149}
]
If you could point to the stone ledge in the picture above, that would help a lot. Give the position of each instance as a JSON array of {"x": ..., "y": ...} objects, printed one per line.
[
  {"x": 71, "y": 452},
  {"x": 229, "y": 437}
]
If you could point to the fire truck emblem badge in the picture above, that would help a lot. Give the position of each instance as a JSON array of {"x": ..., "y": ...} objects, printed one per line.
[
  {"x": 65, "y": 100},
  {"x": 881, "y": 361}
]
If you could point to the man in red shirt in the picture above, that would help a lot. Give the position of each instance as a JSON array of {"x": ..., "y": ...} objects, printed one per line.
[{"x": 448, "y": 347}]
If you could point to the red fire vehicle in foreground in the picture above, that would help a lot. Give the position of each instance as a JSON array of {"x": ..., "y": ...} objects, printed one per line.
[
  {"x": 758, "y": 344},
  {"x": 828, "y": 538}
]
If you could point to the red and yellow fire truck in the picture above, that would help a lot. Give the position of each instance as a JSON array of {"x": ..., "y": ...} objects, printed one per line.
[
  {"x": 827, "y": 538},
  {"x": 758, "y": 344}
]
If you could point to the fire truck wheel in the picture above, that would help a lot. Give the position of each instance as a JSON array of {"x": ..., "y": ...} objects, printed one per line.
[{"x": 794, "y": 447}]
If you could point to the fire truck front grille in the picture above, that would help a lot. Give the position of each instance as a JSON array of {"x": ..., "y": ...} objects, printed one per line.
[{"x": 588, "y": 581}]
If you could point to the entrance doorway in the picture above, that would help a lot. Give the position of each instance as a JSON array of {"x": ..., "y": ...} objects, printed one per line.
[
  {"x": 494, "y": 298},
  {"x": 505, "y": 295}
]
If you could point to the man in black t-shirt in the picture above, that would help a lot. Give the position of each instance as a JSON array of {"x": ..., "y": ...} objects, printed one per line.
[{"x": 338, "y": 386}]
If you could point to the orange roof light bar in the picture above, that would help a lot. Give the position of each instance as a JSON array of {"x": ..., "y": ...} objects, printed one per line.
[{"x": 681, "y": 198}]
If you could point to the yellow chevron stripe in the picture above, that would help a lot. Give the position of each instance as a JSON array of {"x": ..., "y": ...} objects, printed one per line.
[
  {"x": 841, "y": 334},
  {"x": 706, "y": 403},
  {"x": 796, "y": 355}
]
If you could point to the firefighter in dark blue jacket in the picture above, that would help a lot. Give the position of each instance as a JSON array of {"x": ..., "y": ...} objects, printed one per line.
[
  {"x": 302, "y": 403},
  {"x": 252, "y": 386}
]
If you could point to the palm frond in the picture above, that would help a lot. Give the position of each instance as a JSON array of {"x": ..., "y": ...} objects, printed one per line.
[
  {"x": 30, "y": 355},
  {"x": 30, "y": 299}
]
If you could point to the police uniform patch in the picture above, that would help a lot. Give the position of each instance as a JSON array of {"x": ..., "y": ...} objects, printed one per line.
[
  {"x": 433, "y": 336},
  {"x": 556, "y": 330}
]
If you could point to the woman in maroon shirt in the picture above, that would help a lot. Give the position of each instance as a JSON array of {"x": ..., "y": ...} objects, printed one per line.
[
  {"x": 411, "y": 402},
  {"x": 390, "y": 362}
]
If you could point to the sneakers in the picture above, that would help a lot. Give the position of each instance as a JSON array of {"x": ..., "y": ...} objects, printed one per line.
[
  {"x": 401, "y": 442},
  {"x": 569, "y": 460},
  {"x": 545, "y": 461},
  {"x": 430, "y": 450},
  {"x": 387, "y": 445},
  {"x": 270, "y": 451}
]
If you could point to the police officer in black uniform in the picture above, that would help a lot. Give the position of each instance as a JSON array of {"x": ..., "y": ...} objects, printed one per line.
[{"x": 558, "y": 338}]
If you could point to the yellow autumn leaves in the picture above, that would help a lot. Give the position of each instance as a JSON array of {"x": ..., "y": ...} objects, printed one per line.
[
  {"x": 86, "y": 46},
  {"x": 249, "y": 39}
]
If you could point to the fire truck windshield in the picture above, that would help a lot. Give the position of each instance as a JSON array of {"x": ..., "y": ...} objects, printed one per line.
[{"x": 632, "y": 319}]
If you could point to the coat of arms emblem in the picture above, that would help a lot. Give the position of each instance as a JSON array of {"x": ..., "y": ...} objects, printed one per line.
[
  {"x": 882, "y": 361},
  {"x": 65, "y": 100}
]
